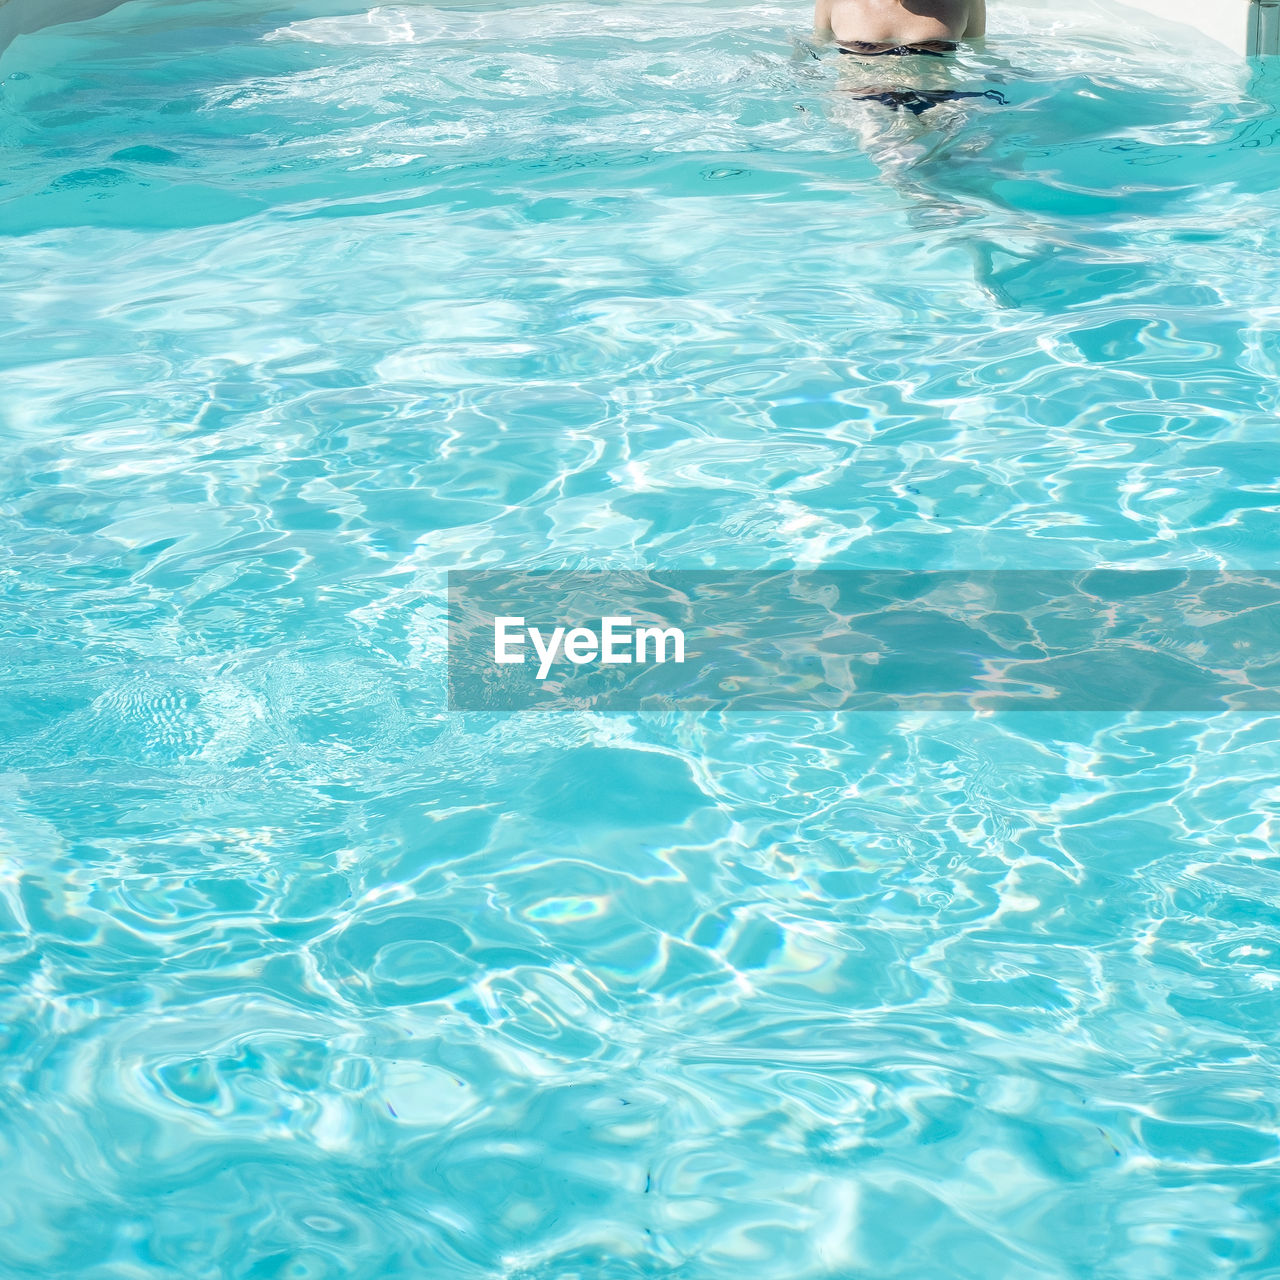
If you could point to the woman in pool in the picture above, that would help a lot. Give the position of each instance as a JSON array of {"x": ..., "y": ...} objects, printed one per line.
[
  {"x": 913, "y": 29},
  {"x": 911, "y": 39},
  {"x": 879, "y": 28}
]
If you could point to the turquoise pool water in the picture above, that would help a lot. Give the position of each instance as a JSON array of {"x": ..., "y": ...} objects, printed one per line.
[{"x": 303, "y": 976}]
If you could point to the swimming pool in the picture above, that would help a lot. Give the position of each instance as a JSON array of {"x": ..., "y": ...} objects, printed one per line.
[{"x": 304, "y": 975}]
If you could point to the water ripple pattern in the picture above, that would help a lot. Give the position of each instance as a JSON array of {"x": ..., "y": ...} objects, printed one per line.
[{"x": 302, "y": 976}]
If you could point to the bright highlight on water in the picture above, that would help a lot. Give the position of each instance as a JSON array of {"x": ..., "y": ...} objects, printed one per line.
[{"x": 308, "y": 305}]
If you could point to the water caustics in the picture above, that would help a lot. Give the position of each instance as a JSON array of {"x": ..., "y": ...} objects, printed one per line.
[{"x": 302, "y": 975}]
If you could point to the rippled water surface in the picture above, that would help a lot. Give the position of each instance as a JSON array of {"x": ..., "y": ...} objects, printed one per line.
[{"x": 303, "y": 976}]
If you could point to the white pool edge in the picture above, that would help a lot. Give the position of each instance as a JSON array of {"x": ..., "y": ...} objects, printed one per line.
[{"x": 1247, "y": 27}]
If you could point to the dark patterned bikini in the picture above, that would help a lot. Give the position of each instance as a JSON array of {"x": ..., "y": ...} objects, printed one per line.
[
  {"x": 930, "y": 49},
  {"x": 917, "y": 101}
]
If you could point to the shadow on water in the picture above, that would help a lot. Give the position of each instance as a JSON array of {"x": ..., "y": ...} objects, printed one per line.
[{"x": 1061, "y": 186}]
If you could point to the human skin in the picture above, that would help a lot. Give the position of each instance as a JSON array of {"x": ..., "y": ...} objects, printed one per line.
[{"x": 899, "y": 22}]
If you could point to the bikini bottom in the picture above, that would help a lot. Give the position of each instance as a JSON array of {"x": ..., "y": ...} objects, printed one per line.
[{"x": 918, "y": 101}]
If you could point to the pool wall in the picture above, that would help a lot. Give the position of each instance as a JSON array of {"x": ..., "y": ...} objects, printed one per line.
[
  {"x": 17, "y": 17},
  {"x": 1250, "y": 27}
]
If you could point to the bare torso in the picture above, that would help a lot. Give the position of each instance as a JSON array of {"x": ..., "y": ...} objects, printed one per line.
[{"x": 899, "y": 22}]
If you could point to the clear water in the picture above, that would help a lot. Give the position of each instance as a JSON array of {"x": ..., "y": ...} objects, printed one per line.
[{"x": 302, "y": 976}]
